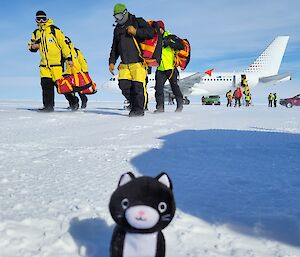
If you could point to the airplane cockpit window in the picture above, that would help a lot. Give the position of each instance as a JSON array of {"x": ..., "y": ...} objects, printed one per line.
[{"x": 112, "y": 79}]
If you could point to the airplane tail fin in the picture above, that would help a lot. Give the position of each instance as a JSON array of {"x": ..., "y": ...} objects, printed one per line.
[{"x": 269, "y": 61}]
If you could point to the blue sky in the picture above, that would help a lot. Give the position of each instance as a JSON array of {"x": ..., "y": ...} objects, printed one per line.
[{"x": 225, "y": 35}]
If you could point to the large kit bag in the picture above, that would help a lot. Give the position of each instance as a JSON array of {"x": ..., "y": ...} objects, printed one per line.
[
  {"x": 182, "y": 57},
  {"x": 90, "y": 90},
  {"x": 150, "y": 49},
  {"x": 78, "y": 81}
]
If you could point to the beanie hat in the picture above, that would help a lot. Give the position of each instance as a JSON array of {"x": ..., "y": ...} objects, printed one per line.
[
  {"x": 161, "y": 24},
  {"x": 119, "y": 8},
  {"x": 40, "y": 14}
]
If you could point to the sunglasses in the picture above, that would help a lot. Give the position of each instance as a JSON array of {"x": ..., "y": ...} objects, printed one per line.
[
  {"x": 41, "y": 19},
  {"x": 120, "y": 16}
]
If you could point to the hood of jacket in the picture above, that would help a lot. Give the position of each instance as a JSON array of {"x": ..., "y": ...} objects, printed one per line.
[{"x": 43, "y": 26}]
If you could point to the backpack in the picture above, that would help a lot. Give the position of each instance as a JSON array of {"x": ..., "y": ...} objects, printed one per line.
[
  {"x": 150, "y": 49},
  {"x": 182, "y": 57}
]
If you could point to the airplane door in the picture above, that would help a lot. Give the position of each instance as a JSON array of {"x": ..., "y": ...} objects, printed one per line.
[{"x": 234, "y": 81}]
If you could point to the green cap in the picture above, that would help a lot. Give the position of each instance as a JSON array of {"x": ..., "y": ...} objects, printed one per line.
[{"x": 119, "y": 8}]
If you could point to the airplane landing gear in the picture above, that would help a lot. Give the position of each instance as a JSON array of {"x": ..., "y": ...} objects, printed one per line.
[{"x": 186, "y": 101}]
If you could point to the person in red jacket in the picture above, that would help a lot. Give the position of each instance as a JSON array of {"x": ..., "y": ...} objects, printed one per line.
[{"x": 237, "y": 96}]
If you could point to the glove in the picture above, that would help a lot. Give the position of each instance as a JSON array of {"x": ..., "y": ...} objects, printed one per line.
[
  {"x": 131, "y": 30},
  {"x": 166, "y": 42},
  {"x": 111, "y": 68}
]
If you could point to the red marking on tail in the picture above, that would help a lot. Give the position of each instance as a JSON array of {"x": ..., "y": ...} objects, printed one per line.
[{"x": 209, "y": 72}]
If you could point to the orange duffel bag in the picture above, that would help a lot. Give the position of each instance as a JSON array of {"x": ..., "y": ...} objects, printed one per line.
[
  {"x": 76, "y": 82},
  {"x": 150, "y": 49}
]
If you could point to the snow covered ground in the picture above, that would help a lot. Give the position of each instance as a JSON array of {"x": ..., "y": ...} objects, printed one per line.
[{"x": 236, "y": 177}]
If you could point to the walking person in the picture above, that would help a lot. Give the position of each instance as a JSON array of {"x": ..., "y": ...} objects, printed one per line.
[
  {"x": 81, "y": 64},
  {"x": 50, "y": 41},
  {"x": 167, "y": 71},
  {"x": 132, "y": 71}
]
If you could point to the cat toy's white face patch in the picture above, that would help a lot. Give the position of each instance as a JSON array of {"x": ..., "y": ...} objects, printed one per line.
[{"x": 142, "y": 216}]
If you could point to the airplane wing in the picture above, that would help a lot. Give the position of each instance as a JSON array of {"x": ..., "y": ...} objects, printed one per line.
[
  {"x": 186, "y": 84},
  {"x": 276, "y": 78}
]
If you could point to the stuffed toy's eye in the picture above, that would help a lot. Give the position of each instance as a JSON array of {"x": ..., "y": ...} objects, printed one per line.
[
  {"x": 125, "y": 203},
  {"x": 162, "y": 207}
]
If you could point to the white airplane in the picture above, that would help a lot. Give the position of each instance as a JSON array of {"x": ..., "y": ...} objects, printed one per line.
[{"x": 264, "y": 70}]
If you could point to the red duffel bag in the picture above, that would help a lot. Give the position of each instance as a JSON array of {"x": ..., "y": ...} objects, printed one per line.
[
  {"x": 76, "y": 82},
  {"x": 65, "y": 84},
  {"x": 91, "y": 90}
]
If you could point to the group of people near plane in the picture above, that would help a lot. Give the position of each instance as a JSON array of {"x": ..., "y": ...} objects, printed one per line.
[
  {"x": 272, "y": 100},
  {"x": 238, "y": 94},
  {"x": 58, "y": 56}
]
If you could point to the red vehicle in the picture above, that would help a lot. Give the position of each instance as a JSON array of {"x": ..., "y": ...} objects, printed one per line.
[{"x": 290, "y": 102}]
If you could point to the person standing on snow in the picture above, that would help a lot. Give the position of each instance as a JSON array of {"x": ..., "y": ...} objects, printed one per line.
[
  {"x": 229, "y": 98},
  {"x": 81, "y": 64},
  {"x": 132, "y": 71},
  {"x": 237, "y": 97},
  {"x": 166, "y": 70},
  {"x": 50, "y": 41},
  {"x": 270, "y": 99},
  {"x": 275, "y": 100}
]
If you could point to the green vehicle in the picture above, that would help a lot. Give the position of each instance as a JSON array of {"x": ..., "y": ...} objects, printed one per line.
[{"x": 211, "y": 100}]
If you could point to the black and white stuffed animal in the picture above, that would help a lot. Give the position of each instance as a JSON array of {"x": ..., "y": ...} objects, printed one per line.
[{"x": 141, "y": 207}]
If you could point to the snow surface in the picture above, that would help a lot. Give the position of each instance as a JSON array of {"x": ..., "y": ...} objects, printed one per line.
[{"x": 236, "y": 177}]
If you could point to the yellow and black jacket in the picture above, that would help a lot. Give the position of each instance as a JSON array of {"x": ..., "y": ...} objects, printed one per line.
[
  {"x": 123, "y": 45},
  {"x": 52, "y": 44},
  {"x": 78, "y": 60}
]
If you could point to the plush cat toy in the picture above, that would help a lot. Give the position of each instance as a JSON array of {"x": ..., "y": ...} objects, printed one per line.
[{"x": 141, "y": 207}]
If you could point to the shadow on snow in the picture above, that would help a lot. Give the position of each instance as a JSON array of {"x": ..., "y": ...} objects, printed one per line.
[
  {"x": 92, "y": 234},
  {"x": 247, "y": 179}
]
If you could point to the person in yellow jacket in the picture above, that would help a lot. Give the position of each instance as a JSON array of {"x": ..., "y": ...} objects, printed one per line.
[
  {"x": 248, "y": 99},
  {"x": 81, "y": 64},
  {"x": 270, "y": 99},
  {"x": 229, "y": 98},
  {"x": 50, "y": 41},
  {"x": 167, "y": 71}
]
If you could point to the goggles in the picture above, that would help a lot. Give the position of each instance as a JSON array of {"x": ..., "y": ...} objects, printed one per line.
[
  {"x": 120, "y": 16},
  {"x": 41, "y": 19},
  {"x": 68, "y": 40}
]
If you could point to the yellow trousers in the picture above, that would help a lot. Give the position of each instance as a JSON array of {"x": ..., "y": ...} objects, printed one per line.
[{"x": 54, "y": 72}]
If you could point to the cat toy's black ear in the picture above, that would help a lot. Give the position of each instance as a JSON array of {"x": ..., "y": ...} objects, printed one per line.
[
  {"x": 165, "y": 179},
  {"x": 125, "y": 178}
]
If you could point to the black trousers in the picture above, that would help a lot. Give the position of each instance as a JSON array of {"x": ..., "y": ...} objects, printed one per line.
[
  {"x": 48, "y": 92},
  {"x": 133, "y": 91},
  {"x": 229, "y": 102},
  {"x": 83, "y": 97},
  {"x": 160, "y": 79},
  {"x": 72, "y": 99},
  {"x": 237, "y": 102},
  {"x": 270, "y": 103}
]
